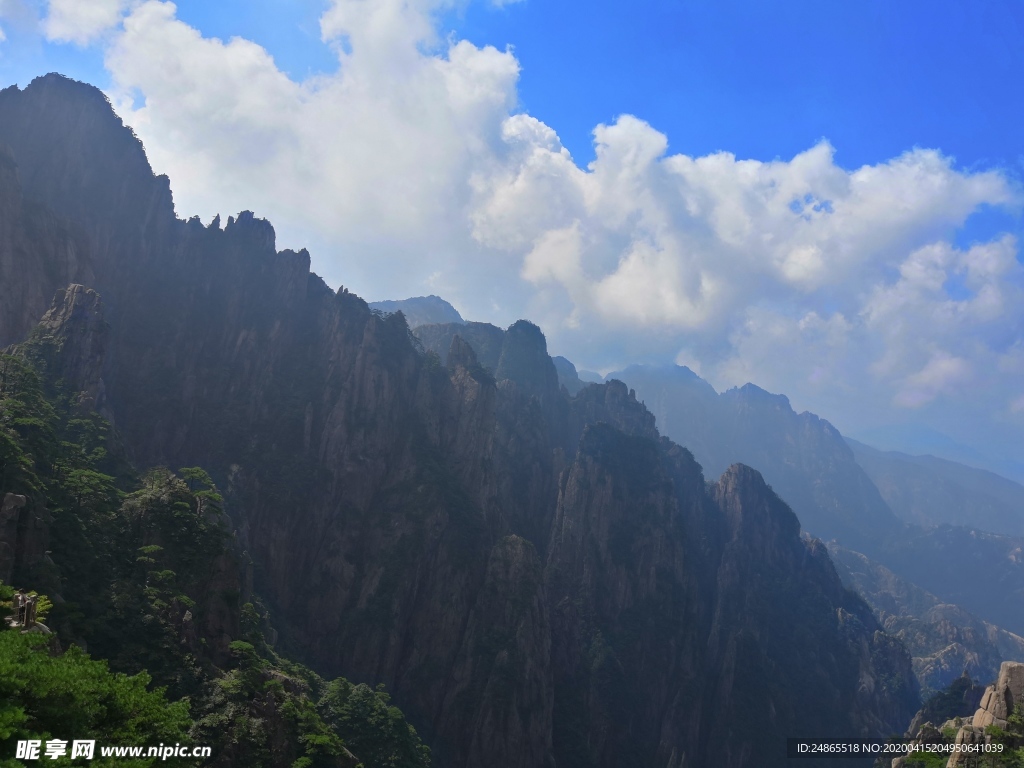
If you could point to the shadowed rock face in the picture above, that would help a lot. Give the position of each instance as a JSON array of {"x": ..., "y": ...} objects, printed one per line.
[
  {"x": 535, "y": 577},
  {"x": 39, "y": 254}
]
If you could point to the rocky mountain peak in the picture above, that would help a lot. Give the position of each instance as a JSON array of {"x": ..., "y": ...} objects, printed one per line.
[
  {"x": 256, "y": 233},
  {"x": 612, "y": 402},
  {"x": 461, "y": 354},
  {"x": 67, "y": 140},
  {"x": 524, "y": 360},
  {"x": 752, "y": 509},
  {"x": 751, "y": 393}
]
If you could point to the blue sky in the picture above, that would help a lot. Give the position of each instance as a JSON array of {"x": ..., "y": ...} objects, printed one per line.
[
  {"x": 823, "y": 198},
  {"x": 760, "y": 80}
]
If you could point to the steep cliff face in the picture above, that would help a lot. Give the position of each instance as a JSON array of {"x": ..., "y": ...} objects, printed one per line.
[
  {"x": 782, "y": 603},
  {"x": 38, "y": 255},
  {"x": 630, "y": 603},
  {"x": 534, "y": 577}
]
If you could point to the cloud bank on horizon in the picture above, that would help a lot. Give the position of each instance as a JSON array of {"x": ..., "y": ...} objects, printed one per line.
[{"x": 411, "y": 169}]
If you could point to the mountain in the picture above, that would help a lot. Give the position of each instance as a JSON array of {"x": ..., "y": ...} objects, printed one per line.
[
  {"x": 567, "y": 375},
  {"x": 421, "y": 310},
  {"x": 918, "y": 440},
  {"x": 931, "y": 491},
  {"x": 485, "y": 339},
  {"x": 945, "y": 640},
  {"x": 538, "y": 579},
  {"x": 804, "y": 457},
  {"x": 809, "y": 464}
]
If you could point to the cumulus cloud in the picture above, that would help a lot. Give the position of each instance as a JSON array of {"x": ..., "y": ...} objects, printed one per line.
[
  {"x": 370, "y": 164},
  {"x": 411, "y": 169},
  {"x": 75, "y": 21}
]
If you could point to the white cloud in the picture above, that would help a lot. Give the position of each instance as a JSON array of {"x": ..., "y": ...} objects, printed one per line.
[
  {"x": 410, "y": 168},
  {"x": 373, "y": 161},
  {"x": 81, "y": 21}
]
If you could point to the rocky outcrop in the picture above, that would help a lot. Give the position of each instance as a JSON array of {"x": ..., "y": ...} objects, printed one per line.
[
  {"x": 1000, "y": 698},
  {"x": 997, "y": 704},
  {"x": 535, "y": 578}
]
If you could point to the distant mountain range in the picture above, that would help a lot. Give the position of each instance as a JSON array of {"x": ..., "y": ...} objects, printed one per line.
[{"x": 931, "y": 491}]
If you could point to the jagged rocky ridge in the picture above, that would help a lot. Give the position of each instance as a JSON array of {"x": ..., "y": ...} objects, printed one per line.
[{"x": 538, "y": 579}]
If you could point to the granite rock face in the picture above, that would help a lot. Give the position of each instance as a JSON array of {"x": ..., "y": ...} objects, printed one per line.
[
  {"x": 539, "y": 579},
  {"x": 1000, "y": 698},
  {"x": 997, "y": 704}
]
